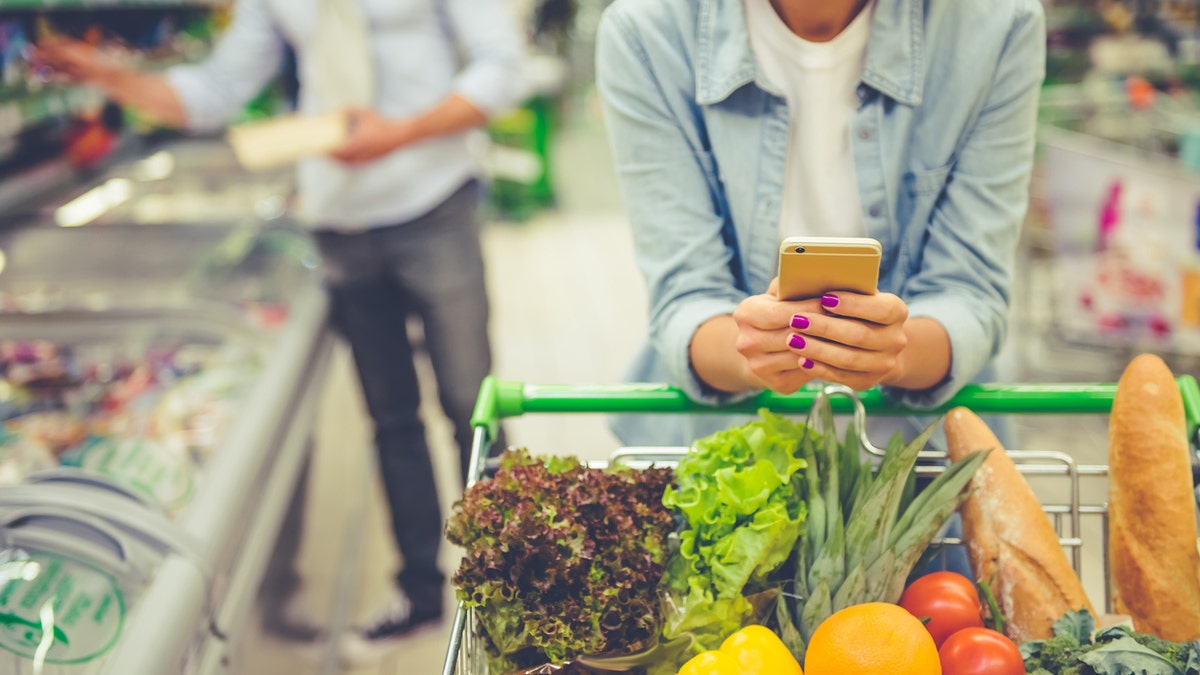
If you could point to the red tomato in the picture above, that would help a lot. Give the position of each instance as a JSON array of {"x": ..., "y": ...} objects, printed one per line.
[
  {"x": 949, "y": 600},
  {"x": 980, "y": 651}
]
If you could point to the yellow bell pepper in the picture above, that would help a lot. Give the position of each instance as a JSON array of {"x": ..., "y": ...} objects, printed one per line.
[
  {"x": 711, "y": 662},
  {"x": 753, "y": 650}
]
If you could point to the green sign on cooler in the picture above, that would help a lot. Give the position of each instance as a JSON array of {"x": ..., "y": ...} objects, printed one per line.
[
  {"x": 147, "y": 467},
  {"x": 88, "y": 609}
]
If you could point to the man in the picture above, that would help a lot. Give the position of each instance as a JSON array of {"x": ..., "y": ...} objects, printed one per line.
[{"x": 393, "y": 209}]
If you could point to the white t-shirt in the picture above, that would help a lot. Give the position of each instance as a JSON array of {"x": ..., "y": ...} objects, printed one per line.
[{"x": 820, "y": 81}]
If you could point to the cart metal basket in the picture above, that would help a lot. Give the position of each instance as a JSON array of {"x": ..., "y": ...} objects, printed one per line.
[{"x": 1078, "y": 509}]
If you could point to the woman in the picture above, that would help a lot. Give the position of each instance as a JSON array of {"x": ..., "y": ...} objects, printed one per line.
[{"x": 735, "y": 123}]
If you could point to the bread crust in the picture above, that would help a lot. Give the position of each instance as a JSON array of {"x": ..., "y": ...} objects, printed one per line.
[
  {"x": 1152, "y": 510},
  {"x": 1010, "y": 540}
]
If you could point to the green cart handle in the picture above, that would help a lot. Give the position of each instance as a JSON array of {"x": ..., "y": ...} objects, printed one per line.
[{"x": 499, "y": 399}]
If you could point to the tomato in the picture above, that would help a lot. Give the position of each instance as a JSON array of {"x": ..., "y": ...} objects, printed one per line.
[
  {"x": 980, "y": 651},
  {"x": 949, "y": 600}
]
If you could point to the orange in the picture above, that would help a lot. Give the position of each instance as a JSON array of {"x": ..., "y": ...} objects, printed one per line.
[{"x": 875, "y": 638}]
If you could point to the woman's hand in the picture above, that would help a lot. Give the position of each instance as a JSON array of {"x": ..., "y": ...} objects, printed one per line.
[
  {"x": 763, "y": 330},
  {"x": 843, "y": 338},
  {"x": 855, "y": 340}
]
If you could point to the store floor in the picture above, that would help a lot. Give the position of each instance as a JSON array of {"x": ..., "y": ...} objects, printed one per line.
[{"x": 568, "y": 307}]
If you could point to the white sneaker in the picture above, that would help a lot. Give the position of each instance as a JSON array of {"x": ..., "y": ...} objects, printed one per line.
[
  {"x": 398, "y": 619},
  {"x": 292, "y": 621}
]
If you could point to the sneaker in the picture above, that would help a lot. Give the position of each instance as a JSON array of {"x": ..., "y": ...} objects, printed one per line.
[
  {"x": 398, "y": 619},
  {"x": 292, "y": 621}
]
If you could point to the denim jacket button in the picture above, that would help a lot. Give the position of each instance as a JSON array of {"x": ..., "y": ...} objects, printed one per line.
[
  {"x": 865, "y": 133},
  {"x": 875, "y": 211}
]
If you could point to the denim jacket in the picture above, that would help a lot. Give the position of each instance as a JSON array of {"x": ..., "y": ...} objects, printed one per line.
[{"x": 942, "y": 142}]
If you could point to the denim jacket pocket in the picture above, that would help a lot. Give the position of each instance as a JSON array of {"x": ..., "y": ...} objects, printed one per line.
[
  {"x": 927, "y": 181},
  {"x": 922, "y": 190}
]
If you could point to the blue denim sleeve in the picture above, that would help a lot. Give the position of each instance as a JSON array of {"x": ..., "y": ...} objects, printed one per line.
[
  {"x": 248, "y": 54},
  {"x": 488, "y": 35},
  {"x": 967, "y": 269},
  {"x": 665, "y": 176}
]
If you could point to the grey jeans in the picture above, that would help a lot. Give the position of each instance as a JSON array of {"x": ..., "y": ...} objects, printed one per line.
[{"x": 431, "y": 269}]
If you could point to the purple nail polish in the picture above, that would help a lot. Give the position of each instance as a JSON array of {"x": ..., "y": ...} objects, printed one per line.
[
  {"x": 808, "y": 363},
  {"x": 829, "y": 300},
  {"x": 800, "y": 322},
  {"x": 796, "y": 342}
]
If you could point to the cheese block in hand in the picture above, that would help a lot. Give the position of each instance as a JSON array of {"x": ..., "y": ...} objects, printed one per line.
[
  {"x": 1152, "y": 512},
  {"x": 1010, "y": 540}
]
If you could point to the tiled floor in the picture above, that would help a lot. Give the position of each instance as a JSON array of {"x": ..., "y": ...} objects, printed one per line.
[{"x": 568, "y": 307}]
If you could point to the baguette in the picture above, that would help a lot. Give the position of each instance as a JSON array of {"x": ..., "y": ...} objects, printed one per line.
[
  {"x": 1010, "y": 540},
  {"x": 1152, "y": 512}
]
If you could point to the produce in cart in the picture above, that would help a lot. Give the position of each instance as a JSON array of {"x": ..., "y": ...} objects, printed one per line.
[
  {"x": 1152, "y": 514},
  {"x": 562, "y": 560},
  {"x": 946, "y": 601},
  {"x": 753, "y": 649},
  {"x": 740, "y": 495},
  {"x": 1010, "y": 540},
  {"x": 744, "y": 493},
  {"x": 872, "y": 638},
  {"x": 1078, "y": 649}
]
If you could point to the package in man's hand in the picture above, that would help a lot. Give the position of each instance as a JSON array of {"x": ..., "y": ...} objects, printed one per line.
[{"x": 279, "y": 141}]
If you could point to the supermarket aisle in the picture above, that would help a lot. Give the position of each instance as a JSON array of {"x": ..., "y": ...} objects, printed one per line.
[{"x": 568, "y": 307}]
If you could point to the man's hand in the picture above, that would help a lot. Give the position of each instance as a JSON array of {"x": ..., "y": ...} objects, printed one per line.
[
  {"x": 77, "y": 61},
  {"x": 371, "y": 137}
]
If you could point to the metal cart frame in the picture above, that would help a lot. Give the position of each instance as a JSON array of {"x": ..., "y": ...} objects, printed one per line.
[{"x": 499, "y": 399}]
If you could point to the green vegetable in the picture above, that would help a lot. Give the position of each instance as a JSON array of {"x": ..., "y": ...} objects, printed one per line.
[
  {"x": 1074, "y": 650},
  {"x": 562, "y": 560},
  {"x": 874, "y": 529},
  {"x": 777, "y": 504},
  {"x": 738, "y": 494}
]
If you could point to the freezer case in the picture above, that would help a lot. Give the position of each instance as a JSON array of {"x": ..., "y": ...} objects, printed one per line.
[{"x": 158, "y": 387}]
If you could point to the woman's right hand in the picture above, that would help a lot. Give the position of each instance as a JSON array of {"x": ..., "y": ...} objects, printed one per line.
[{"x": 764, "y": 326}]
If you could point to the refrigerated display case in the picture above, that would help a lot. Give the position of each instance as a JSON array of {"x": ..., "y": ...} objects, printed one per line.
[{"x": 158, "y": 385}]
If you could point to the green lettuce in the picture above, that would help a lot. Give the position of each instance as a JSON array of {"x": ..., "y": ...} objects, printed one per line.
[{"x": 738, "y": 492}]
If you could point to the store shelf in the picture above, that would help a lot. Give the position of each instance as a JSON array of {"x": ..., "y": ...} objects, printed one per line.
[
  {"x": 101, "y": 4},
  {"x": 17, "y": 114}
]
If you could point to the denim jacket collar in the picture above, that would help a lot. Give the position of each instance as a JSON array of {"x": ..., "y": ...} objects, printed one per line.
[{"x": 725, "y": 61}]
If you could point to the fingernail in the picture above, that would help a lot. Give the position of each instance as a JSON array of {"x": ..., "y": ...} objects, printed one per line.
[
  {"x": 797, "y": 342},
  {"x": 800, "y": 322},
  {"x": 808, "y": 363},
  {"x": 829, "y": 300}
]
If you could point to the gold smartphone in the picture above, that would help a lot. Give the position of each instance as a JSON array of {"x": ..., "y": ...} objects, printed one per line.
[{"x": 810, "y": 267}]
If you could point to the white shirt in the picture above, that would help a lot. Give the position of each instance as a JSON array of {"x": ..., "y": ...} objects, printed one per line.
[
  {"x": 820, "y": 81},
  {"x": 422, "y": 51}
]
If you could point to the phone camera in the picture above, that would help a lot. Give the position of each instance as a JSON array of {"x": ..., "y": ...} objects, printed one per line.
[{"x": 799, "y": 249}]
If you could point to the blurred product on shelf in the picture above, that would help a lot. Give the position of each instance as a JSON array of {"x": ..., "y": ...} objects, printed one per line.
[
  {"x": 1119, "y": 174},
  {"x": 147, "y": 421}
]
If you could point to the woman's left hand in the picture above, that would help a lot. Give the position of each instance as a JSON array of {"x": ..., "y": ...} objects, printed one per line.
[{"x": 856, "y": 340}]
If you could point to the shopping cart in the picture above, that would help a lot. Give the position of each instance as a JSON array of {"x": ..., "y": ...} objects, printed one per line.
[{"x": 1078, "y": 520}]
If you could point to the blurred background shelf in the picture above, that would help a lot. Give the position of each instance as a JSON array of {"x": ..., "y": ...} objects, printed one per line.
[
  {"x": 107, "y": 4},
  {"x": 25, "y": 109}
]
